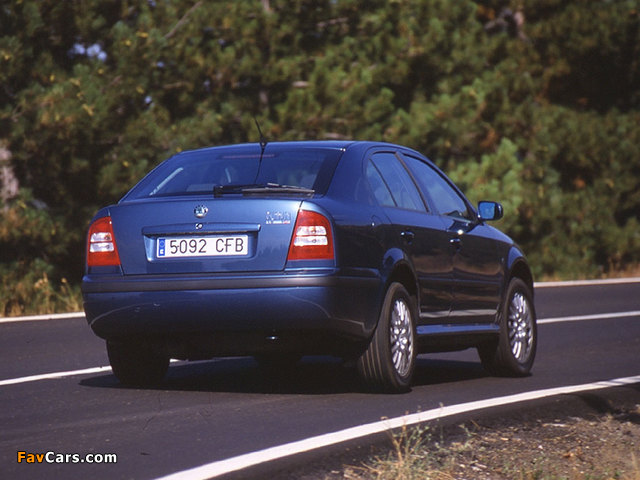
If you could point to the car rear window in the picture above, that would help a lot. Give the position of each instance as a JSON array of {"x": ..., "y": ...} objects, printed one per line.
[{"x": 199, "y": 171}]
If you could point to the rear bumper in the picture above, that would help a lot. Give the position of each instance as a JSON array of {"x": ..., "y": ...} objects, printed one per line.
[{"x": 242, "y": 312}]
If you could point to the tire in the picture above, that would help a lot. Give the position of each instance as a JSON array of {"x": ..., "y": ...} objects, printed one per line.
[
  {"x": 515, "y": 350},
  {"x": 136, "y": 363},
  {"x": 389, "y": 361}
]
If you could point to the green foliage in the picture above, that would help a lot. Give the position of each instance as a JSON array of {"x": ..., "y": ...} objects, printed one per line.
[
  {"x": 543, "y": 117},
  {"x": 30, "y": 281},
  {"x": 497, "y": 175}
]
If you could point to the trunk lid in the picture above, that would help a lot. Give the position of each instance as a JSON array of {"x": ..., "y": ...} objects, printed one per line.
[{"x": 196, "y": 235}]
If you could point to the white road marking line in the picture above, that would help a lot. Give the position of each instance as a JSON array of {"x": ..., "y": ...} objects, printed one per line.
[
  {"x": 69, "y": 373},
  {"x": 222, "y": 467},
  {"x": 585, "y": 283},
  {"x": 88, "y": 371},
  {"x": 597, "y": 316},
  {"x": 48, "y": 376},
  {"x": 40, "y": 318}
]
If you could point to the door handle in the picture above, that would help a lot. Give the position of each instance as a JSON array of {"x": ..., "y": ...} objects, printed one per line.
[
  {"x": 408, "y": 236},
  {"x": 456, "y": 242}
]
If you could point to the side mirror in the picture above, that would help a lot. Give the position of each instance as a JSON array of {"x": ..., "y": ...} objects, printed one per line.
[{"x": 490, "y": 211}]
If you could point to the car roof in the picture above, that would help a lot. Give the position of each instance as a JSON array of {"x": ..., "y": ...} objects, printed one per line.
[
  {"x": 304, "y": 144},
  {"x": 328, "y": 144}
]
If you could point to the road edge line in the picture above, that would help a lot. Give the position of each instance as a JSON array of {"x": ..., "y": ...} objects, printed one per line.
[
  {"x": 72, "y": 373},
  {"x": 585, "y": 283},
  {"x": 240, "y": 462},
  {"x": 595, "y": 316},
  {"x": 40, "y": 318},
  {"x": 49, "y": 376}
]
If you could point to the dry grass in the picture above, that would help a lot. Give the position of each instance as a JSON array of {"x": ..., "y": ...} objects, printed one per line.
[
  {"x": 37, "y": 294},
  {"x": 602, "y": 448},
  {"x": 632, "y": 271}
]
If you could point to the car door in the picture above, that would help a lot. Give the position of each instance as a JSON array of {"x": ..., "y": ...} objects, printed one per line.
[
  {"x": 476, "y": 264},
  {"x": 415, "y": 231}
]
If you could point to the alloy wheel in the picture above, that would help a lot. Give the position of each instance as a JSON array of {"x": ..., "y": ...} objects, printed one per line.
[
  {"x": 401, "y": 337},
  {"x": 520, "y": 326}
]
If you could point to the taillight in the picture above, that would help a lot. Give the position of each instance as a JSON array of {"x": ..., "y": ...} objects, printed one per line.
[
  {"x": 101, "y": 244},
  {"x": 312, "y": 238}
]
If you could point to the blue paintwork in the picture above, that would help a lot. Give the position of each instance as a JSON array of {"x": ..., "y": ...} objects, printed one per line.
[{"x": 457, "y": 269}]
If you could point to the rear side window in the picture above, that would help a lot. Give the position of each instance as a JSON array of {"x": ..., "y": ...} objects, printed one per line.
[
  {"x": 380, "y": 189},
  {"x": 391, "y": 184},
  {"x": 198, "y": 171}
]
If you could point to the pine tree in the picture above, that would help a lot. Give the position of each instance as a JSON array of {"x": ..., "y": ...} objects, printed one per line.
[{"x": 532, "y": 103}]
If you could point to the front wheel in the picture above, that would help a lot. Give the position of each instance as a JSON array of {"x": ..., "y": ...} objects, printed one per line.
[
  {"x": 515, "y": 350},
  {"x": 136, "y": 363},
  {"x": 389, "y": 360}
]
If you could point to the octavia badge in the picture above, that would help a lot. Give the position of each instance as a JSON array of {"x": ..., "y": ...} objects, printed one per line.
[{"x": 200, "y": 211}]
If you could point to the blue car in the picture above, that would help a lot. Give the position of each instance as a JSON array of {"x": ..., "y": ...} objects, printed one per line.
[{"x": 361, "y": 250}]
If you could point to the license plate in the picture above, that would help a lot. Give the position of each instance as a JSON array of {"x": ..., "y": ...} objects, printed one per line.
[{"x": 210, "y": 246}]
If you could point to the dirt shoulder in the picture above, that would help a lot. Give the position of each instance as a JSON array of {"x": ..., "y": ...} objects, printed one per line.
[{"x": 594, "y": 435}]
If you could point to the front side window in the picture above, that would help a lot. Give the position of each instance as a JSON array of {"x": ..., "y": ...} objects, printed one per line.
[{"x": 444, "y": 198}]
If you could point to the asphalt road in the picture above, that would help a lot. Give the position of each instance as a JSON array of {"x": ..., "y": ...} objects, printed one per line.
[{"x": 208, "y": 411}]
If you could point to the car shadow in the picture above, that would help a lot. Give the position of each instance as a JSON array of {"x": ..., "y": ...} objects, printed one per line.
[{"x": 311, "y": 376}]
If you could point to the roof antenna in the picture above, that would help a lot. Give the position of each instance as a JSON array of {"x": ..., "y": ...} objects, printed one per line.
[
  {"x": 263, "y": 140},
  {"x": 263, "y": 145}
]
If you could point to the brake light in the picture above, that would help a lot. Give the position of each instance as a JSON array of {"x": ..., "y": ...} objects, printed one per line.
[
  {"x": 101, "y": 244},
  {"x": 312, "y": 238}
]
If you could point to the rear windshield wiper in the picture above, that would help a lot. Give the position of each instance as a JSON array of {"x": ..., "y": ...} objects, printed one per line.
[
  {"x": 219, "y": 190},
  {"x": 261, "y": 188},
  {"x": 277, "y": 188}
]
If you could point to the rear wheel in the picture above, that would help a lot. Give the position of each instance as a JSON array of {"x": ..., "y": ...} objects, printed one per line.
[
  {"x": 136, "y": 363},
  {"x": 389, "y": 360},
  {"x": 514, "y": 352}
]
